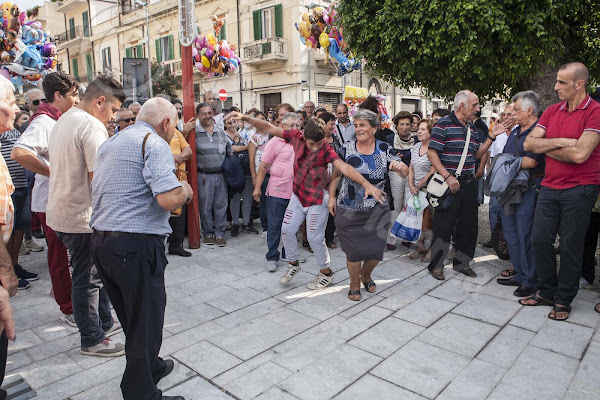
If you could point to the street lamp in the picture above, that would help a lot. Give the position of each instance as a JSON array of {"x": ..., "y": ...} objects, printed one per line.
[{"x": 141, "y": 4}]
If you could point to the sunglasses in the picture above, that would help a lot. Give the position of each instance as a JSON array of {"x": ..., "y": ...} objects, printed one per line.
[
  {"x": 37, "y": 102},
  {"x": 127, "y": 120}
]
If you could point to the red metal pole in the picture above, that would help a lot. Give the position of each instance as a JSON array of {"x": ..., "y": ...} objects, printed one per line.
[{"x": 187, "y": 80}]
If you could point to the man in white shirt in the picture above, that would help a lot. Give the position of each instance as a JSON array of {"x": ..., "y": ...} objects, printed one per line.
[
  {"x": 344, "y": 128},
  {"x": 72, "y": 147},
  {"x": 31, "y": 151}
]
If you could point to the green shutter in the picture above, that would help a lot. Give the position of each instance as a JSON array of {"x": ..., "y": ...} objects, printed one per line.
[
  {"x": 171, "y": 48},
  {"x": 75, "y": 68},
  {"x": 86, "y": 24},
  {"x": 158, "y": 51},
  {"x": 140, "y": 51},
  {"x": 223, "y": 32},
  {"x": 128, "y": 52},
  {"x": 71, "y": 29},
  {"x": 278, "y": 20},
  {"x": 90, "y": 67},
  {"x": 257, "y": 19}
]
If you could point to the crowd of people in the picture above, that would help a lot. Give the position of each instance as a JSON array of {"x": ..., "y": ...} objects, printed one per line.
[{"x": 114, "y": 203}]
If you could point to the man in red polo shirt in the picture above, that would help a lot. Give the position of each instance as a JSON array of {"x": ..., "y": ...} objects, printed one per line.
[
  {"x": 568, "y": 133},
  {"x": 310, "y": 196}
]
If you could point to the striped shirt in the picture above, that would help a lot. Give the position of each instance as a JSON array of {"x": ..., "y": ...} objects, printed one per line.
[
  {"x": 420, "y": 163},
  {"x": 17, "y": 172},
  {"x": 211, "y": 149},
  {"x": 448, "y": 139}
]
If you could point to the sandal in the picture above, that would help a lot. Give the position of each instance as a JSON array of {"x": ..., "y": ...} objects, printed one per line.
[
  {"x": 370, "y": 285},
  {"x": 559, "y": 308},
  {"x": 332, "y": 245},
  {"x": 507, "y": 273},
  {"x": 597, "y": 308},
  {"x": 539, "y": 301},
  {"x": 354, "y": 293}
]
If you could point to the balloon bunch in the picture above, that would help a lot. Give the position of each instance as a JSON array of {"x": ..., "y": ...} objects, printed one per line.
[
  {"x": 212, "y": 57},
  {"x": 354, "y": 96},
  {"x": 25, "y": 49},
  {"x": 320, "y": 29}
]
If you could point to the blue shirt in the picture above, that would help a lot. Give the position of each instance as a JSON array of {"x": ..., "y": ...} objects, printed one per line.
[
  {"x": 125, "y": 186},
  {"x": 514, "y": 146}
]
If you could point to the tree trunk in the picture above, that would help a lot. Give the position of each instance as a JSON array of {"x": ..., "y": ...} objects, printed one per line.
[{"x": 543, "y": 85}]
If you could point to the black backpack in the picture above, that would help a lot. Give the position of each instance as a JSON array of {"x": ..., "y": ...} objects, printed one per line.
[{"x": 233, "y": 173}]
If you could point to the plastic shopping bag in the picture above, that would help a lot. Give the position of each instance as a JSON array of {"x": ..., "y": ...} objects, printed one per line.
[{"x": 407, "y": 226}]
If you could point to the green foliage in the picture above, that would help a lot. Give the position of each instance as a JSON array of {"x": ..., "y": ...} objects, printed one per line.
[
  {"x": 163, "y": 80},
  {"x": 488, "y": 46}
]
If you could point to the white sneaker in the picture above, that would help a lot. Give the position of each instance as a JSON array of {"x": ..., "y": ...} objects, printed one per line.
[
  {"x": 289, "y": 273},
  {"x": 104, "y": 349},
  {"x": 272, "y": 266},
  {"x": 321, "y": 282},
  {"x": 69, "y": 319},
  {"x": 32, "y": 246},
  {"x": 264, "y": 235}
]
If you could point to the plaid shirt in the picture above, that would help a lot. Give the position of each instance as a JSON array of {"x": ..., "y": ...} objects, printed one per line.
[
  {"x": 310, "y": 168},
  {"x": 6, "y": 204}
]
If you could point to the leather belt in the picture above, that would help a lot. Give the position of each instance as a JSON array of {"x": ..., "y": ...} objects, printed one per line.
[{"x": 128, "y": 234}]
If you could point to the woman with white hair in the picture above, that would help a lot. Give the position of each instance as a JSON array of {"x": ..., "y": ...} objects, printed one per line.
[{"x": 362, "y": 222}]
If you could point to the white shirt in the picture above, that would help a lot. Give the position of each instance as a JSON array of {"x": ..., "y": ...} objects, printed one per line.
[
  {"x": 72, "y": 146},
  {"x": 497, "y": 146},
  {"x": 345, "y": 134},
  {"x": 35, "y": 140}
]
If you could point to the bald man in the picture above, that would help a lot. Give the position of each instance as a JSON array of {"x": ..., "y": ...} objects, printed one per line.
[{"x": 568, "y": 133}]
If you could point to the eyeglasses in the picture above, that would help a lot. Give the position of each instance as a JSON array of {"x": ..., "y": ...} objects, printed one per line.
[
  {"x": 37, "y": 102},
  {"x": 127, "y": 120}
]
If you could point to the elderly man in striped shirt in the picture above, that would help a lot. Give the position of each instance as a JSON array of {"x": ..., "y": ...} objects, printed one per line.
[{"x": 445, "y": 150}]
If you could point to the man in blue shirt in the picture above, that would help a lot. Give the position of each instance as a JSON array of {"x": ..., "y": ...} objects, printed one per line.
[{"x": 133, "y": 191}]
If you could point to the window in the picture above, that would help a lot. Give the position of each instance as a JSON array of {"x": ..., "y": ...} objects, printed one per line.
[
  {"x": 328, "y": 100},
  {"x": 86, "y": 24},
  {"x": 268, "y": 22},
  {"x": 270, "y": 100},
  {"x": 135, "y": 51},
  {"x": 89, "y": 67},
  {"x": 75, "y": 71},
  {"x": 126, "y": 6},
  {"x": 223, "y": 32},
  {"x": 71, "y": 29},
  {"x": 164, "y": 48},
  {"x": 59, "y": 67},
  {"x": 410, "y": 105},
  {"x": 106, "y": 62}
]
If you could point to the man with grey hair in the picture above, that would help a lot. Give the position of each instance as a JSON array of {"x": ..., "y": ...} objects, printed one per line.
[
  {"x": 211, "y": 98},
  {"x": 133, "y": 191},
  {"x": 568, "y": 133},
  {"x": 309, "y": 107},
  {"x": 448, "y": 140},
  {"x": 517, "y": 226},
  {"x": 124, "y": 118},
  {"x": 279, "y": 156},
  {"x": 135, "y": 108},
  {"x": 33, "y": 99}
]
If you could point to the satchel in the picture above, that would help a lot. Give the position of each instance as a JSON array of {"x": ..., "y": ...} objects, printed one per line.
[{"x": 437, "y": 187}]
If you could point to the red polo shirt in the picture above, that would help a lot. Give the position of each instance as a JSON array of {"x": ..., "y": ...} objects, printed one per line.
[{"x": 559, "y": 122}]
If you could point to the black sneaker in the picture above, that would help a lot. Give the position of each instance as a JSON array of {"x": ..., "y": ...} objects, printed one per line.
[
  {"x": 38, "y": 234},
  {"x": 235, "y": 230},
  {"x": 23, "y": 284},
  {"x": 249, "y": 229},
  {"x": 179, "y": 251},
  {"x": 24, "y": 274}
]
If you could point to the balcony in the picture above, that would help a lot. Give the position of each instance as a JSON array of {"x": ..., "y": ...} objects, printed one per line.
[
  {"x": 70, "y": 5},
  {"x": 265, "y": 51},
  {"x": 175, "y": 67},
  {"x": 76, "y": 39}
]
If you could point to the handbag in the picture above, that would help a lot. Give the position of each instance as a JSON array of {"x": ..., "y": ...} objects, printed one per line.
[{"x": 437, "y": 187}]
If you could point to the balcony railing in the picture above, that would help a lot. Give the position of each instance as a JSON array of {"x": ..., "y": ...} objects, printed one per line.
[
  {"x": 265, "y": 50},
  {"x": 77, "y": 32}
]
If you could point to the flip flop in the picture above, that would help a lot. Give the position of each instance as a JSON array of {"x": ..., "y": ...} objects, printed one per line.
[
  {"x": 354, "y": 293},
  {"x": 507, "y": 273},
  {"x": 558, "y": 308},
  {"x": 540, "y": 301}
]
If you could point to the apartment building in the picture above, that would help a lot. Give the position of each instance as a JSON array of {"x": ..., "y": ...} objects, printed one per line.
[{"x": 97, "y": 34}]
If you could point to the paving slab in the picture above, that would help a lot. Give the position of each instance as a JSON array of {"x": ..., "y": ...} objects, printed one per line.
[
  {"x": 454, "y": 290},
  {"x": 309, "y": 351},
  {"x": 207, "y": 359},
  {"x": 387, "y": 336},
  {"x": 360, "y": 322},
  {"x": 488, "y": 309},
  {"x": 563, "y": 338},
  {"x": 244, "y": 368},
  {"x": 506, "y": 346},
  {"x": 425, "y": 310},
  {"x": 475, "y": 382},
  {"x": 197, "y": 389},
  {"x": 384, "y": 390},
  {"x": 258, "y": 381},
  {"x": 585, "y": 384},
  {"x": 531, "y": 317}
]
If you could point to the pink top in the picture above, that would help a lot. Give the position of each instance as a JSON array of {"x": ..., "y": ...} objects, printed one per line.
[{"x": 280, "y": 155}]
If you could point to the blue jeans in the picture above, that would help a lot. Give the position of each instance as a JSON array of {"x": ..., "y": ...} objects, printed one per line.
[
  {"x": 276, "y": 210},
  {"x": 494, "y": 212},
  {"x": 517, "y": 228},
  {"x": 91, "y": 308},
  {"x": 263, "y": 205}
]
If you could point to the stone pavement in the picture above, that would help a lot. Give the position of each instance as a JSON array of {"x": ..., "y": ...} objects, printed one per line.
[{"x": 236, "y": 332}]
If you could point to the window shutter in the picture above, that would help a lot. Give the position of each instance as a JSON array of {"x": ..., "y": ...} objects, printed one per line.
[
  {"x": 257, "y": 19},
  {"x": 223, "y": 32},
  {"x": 109, "y": 60},
  {"x": 278, "y": 20},
  {"x": 171, "y": 48},
  {"x": 140, "y": 51},
  {"x": 86, "y": 23},
  {"x": 90, "y": 67},
  {"x": 75, "y": 68},
  {"x": 128, "y": 52},
  {"x": 158, "y": 51}
]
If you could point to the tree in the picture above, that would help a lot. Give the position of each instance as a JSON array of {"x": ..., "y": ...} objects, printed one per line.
[
  {"x": 163, "y": 80},
  {"x": 489, "y": 46}
]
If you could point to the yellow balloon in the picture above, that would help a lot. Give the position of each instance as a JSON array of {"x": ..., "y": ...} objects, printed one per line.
[
  {"x": 349, "y": 92},
  {"x": 304, "y": 29},
  {"x": 324, "y": 40},
  {"x": 211, "y": 38},
  {"x": 306, "y": 18},
  {"x": 362, "y": 93},
  {"x": 205, "y": 61}
]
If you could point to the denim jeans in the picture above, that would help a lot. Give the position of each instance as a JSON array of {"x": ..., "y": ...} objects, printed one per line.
[
  {"x": 276, "y": 210},
  {"x": 90, "y": 308},
  {"x": 264, "y": 218}
]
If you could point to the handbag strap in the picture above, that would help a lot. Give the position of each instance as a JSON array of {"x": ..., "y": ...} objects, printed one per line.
[
  {"x": 463, "y": 157},
  {"x": 144, "y": 145}
]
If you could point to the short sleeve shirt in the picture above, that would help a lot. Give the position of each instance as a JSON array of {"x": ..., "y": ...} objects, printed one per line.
[
  {"x": 6, "y": 204},
  {"x": 260, "y": 141},
  {"x": 373, "y": 167},
  {"x": 280, "y": 155},
  {"x": 559, "y": 122},
  {"x": 72, "y": 147},
  {"x": 178, "y": 143},
  {"x": 448, "y": 139},
  {"x": 310, "y": 168}
]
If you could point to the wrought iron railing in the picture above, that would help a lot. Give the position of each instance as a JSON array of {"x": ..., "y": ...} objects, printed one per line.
[{"x": 260, "y": 48}]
